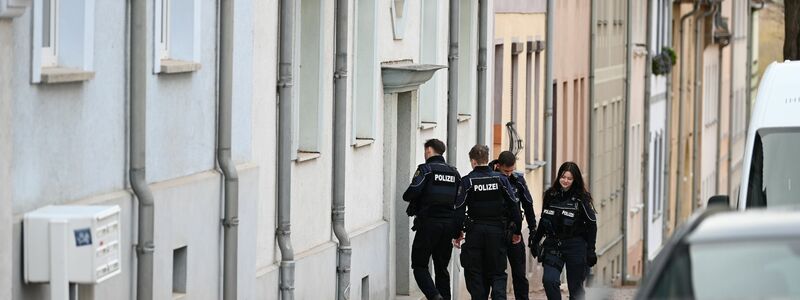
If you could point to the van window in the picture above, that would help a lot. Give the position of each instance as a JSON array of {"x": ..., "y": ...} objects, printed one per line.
[{"x": 775, "y": 168}]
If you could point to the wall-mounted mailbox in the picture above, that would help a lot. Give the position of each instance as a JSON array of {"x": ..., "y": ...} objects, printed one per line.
[{"x": 71, "y": 244}]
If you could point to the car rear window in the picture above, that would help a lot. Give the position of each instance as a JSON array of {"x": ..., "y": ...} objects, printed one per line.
[{"x": 766, "y": 269}]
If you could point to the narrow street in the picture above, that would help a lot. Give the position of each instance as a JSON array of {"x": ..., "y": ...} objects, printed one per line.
[{"x": 620, "y": 293}]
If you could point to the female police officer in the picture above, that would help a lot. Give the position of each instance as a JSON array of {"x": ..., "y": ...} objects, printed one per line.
[{"x": 569, "y": 228}]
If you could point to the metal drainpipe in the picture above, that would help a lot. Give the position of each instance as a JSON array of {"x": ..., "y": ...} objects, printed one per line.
[
  {"x": 590, "y": 101},
  {"x": 749, "y": 87},
  {"x": 732, "y": 92},
  {"x": 285, "y": 99},
  {"x": 665, "y": 173},
  {"x": 340, "y": 147},
  {"x": 648, "y": 71},
  {"x": 698, "y": 104},
  {"x": 719, "y": 108},
  {"x": 679, "y": 166},
  {"x": 625, "y": 150},
  {"x": 230, "y": 222},
  {"x": 138, "y": 158},
  {"x": 452, "y": 84},
  {"x": 548, "y": 96},
  {"x": 483, "y": 31}
]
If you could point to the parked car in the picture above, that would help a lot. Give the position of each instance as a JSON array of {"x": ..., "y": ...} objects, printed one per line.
[
  {"x": 771, "y": 170},
  {"x": 724, "y": 254}
]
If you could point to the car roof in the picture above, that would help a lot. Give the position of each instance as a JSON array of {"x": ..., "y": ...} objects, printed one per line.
[
  {"x": 751, "y": 224},
  {"x": 778, "y": 102}
]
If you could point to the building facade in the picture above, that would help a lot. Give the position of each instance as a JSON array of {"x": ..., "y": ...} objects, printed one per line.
[
  {"x": 570, "y": 84},
  {"x": 635, "y": 139},
  {"x": 608, "y": 128},
  {"x": 659, "y": 100},
  {"x": 65, "y": 136},
  {"x": 518, "y": 96}
]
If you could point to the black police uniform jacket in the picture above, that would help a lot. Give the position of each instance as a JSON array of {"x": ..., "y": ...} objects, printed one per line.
[
  {"x": 433, "y": 189},
  {"x": 524, "y": 198},
  {"x": 566, "y": 215},
  {"x": 486, "y": 196}
]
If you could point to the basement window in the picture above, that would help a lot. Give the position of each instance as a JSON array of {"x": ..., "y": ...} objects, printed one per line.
[{"x": 179, "y": 267}]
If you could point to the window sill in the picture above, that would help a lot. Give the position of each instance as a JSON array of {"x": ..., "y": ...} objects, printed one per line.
[
  {"x": 363, "y": 143},
  {"x": 535, "y": 165},
  {"x": 306, "y": 156},
  {"x": 173, "y": 66},
  {"x": 427, "y": 125},
  {"x": 176, "y": 296},
  {"x": 52, "y": 75},
  {"x": 463, "y": 118}
]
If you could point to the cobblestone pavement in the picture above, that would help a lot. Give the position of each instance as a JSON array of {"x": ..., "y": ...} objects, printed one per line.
[{"x": 618, "y": 293}]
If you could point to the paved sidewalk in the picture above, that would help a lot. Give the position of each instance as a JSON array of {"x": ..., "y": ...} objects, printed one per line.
[{"x": 620, "y": 293}]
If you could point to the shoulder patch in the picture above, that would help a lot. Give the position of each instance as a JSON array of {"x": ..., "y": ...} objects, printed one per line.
[{"x": 416, "y": 173}]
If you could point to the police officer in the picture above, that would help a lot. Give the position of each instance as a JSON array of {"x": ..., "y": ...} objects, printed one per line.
[
  {"x": 504, "y": 164},
  {"x": 492, "y": 221},
  {"x": 431, "y": 195},
  {"x": 569, "y": 228}
]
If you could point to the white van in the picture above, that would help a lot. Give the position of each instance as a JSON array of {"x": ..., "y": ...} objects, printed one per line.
[{"x": 771, "y": 170}]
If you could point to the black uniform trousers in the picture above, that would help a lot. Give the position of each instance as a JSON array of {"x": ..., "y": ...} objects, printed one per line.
[
  {"x": 433, "y": 239},
  {"x": 573, "y": 254},
  {"x": 483, "y": 257},
  {"x": 516, "y": 258}
]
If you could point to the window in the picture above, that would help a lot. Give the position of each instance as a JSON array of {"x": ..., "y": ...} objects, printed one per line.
[
  {"x": 49, "y": 32},
  {"x": 430, "y": 53},
  {"x": 565, "y": 120},
  {"x": 497, "y": 122},
  {"x": 537, "y": 103},
  {"x": 63, "y": 41},
  {"x": 177, "y": 35},
  {"x": 365, "y": 71},
  {"x": 575, "y": 120},
  {"x": 532, "y": 102},
  {"x": 555, "y": 129},
  {"x": 773, "y": 168},
  {"x": 312, "y": 76},
  {"x": 516, "y": 49},
  {"x": 179, "y": 267},
  {"x": 467, "y": 56}
]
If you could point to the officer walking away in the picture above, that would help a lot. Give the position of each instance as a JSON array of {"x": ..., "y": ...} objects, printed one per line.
[
  {"x": 491, "y": 221},
  {"x": 431, "y": 195},
  {"x": 569, "y": 227},
  {"x": 505, "y": 164}
]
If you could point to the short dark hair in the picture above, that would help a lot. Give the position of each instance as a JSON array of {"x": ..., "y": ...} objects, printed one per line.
[
  {"x": 437, "y": 146},
  {"x": 480, "y": 153},
  {"x": 507, "y": 158}
]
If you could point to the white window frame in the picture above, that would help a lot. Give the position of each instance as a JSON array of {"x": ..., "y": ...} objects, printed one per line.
[
  {"x": 365, "y": 73},
  {"x": 313, "y": 74},
  {"x": 467, "y": 55},
  {"x": 181, "y": 24},
  {"x": 431, "y": 52},
  {"x": 163, "y": 32},
  {"x": 49, "y": 53},
  {"x": 72, "y": 43}
]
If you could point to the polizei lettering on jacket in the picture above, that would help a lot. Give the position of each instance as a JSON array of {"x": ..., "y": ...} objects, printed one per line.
[
  {"x": 445, "y": 178},
  {"x": 486, "y": 187}
]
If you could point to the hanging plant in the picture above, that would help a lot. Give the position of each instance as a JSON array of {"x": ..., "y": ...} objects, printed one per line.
[{"x": 663, "y": 62}]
